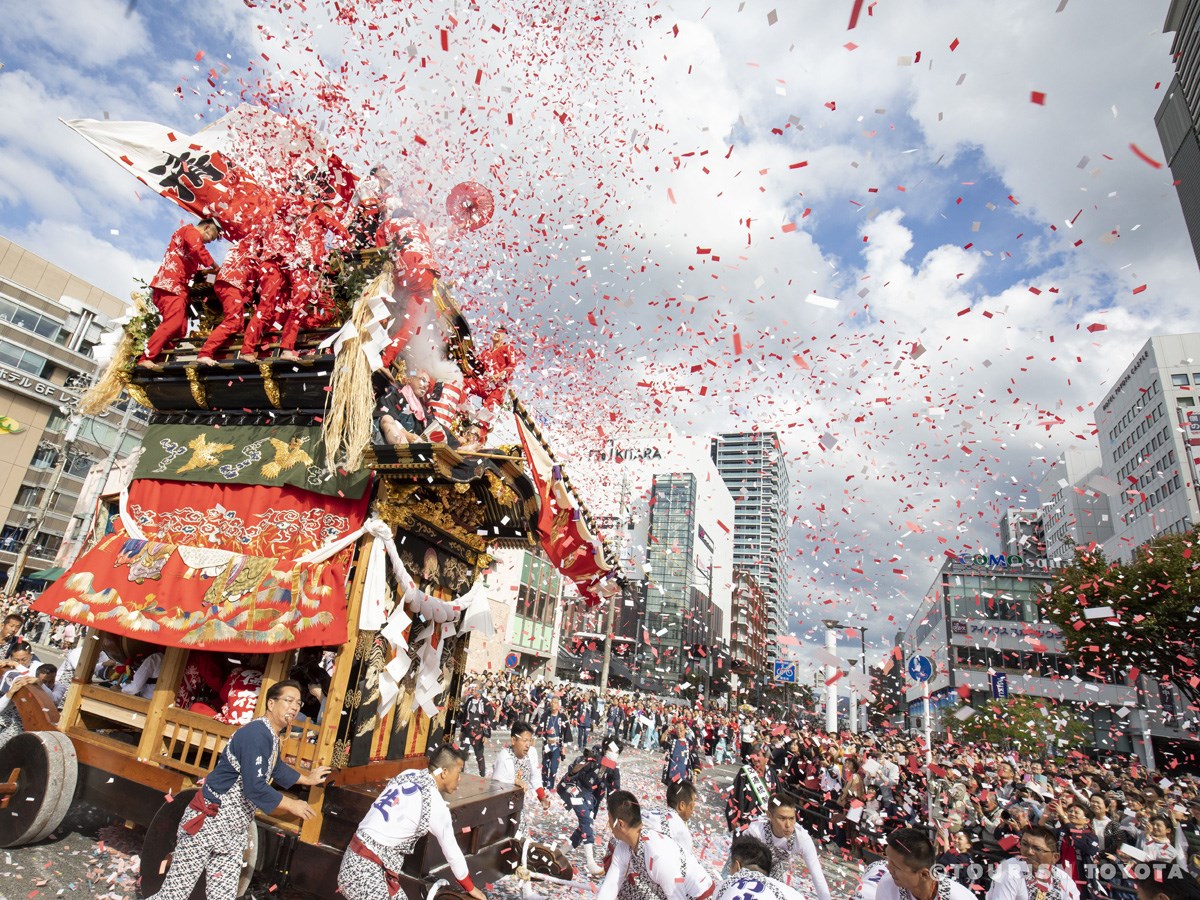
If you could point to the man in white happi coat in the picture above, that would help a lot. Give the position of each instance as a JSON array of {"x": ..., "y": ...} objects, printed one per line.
[
  {"x": 517, "y": 764},
  {"x": 750, "y": 862},
  {"x": 1035, "y": 874},
  {"x": 907, "y": 873},
  {"x": 788, "y": 841},
  {"x": 645, "y": 864},
  {"x": 673, "y": 820},
  {"x": 410, "y": 806}
]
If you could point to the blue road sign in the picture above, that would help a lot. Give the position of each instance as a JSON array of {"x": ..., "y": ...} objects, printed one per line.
[
  {"x": 920, "y": 668},
  {"x": 785, "y": 671},
  {"x": 512, "y": 660}
]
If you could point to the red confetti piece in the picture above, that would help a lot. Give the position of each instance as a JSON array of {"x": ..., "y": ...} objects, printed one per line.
[
  {"x": 789, "y": 227},
  {"x": 1139, "y": 288},
  {"x": 854, "y": 13},
  {"x": 954, "y": 45},
  {"x": 1038, "y": 97},
  {"x": 1140, "y": 154},
  {"x": 1096, "y": 326}
]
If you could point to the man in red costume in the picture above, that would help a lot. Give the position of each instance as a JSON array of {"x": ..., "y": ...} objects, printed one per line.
[
  {"x": 293, "y": 254},
  {"x": 499, "y": 362},
  {"x": 234, "y": 287},
  {"x": 305, "y": 276},
  {"x": 415, "y": 273},
  {"x": 186, "y": 257}
]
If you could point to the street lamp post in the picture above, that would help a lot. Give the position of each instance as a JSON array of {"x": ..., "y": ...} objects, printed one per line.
[{"x": 852, "y": 707}]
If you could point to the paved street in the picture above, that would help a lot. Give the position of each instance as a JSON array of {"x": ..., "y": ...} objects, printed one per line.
[{"x": 94, "y": 856}]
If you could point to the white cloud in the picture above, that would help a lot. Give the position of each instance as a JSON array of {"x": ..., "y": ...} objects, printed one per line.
[
  {"x": 631, "y": 146},
  {"x": 81, "y": 252},
  {"x": 94, "y": 34}
]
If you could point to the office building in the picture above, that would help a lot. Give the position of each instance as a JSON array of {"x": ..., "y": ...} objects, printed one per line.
[
  {"x": 754, "y": 470},
  {"x": 1178, "y": 116},
  {"x": 50, "y": 321},
  {"x": 748, "y": 635},
  {"x": 526, "y": 594},
  {"x": 1143, "y": 426},
  {"x": 658, "y": 497},
  {"x": 1022, "y": 533},
  {"x": 1075, "y": 503},
  {"x": 982, "y": 627}
]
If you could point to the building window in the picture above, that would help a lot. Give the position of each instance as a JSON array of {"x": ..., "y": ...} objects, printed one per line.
[
  {"x": 29, "y": 320},
  {"x": 28, "y": 495},
  {"x": 26, "y": 360},
  {"x": 46, "y": 545},
  {"x": 44, "y": 457},
  {"x": 78, "y": 465},
  {"x": 1180, "y": 380},
  {"x": 12, "y": 537}
]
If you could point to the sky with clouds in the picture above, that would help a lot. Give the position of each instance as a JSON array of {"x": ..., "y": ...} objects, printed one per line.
[{"x": 913, "y": 247}]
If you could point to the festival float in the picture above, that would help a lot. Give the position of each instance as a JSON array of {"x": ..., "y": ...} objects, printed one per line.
[{"x": 325, "y": 491}]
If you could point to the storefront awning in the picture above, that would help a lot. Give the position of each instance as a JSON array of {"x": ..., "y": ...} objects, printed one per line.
[{"x": 51, "y": 574}]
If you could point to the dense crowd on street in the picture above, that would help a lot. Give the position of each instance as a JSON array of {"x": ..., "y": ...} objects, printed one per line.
[
  {"x": 968, "y": 820},
  {"x": 1096, "y": 824}
]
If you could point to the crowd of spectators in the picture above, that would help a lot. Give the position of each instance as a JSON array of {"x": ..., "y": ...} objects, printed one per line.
[{"x": 976, "y": 801}]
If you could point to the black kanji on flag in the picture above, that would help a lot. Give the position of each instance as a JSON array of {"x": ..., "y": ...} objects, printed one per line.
[{"x": 186, "y": 175}]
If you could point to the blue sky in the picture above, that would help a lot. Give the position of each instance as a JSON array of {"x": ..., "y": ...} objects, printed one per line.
[{"x": 600, "y": 210}]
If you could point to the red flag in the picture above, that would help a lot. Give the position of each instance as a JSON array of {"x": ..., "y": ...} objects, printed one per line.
[{"x": 180, "y": 168}]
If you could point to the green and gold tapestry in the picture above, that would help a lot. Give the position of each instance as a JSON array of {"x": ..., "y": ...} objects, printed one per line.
[{"x": 274, "y": 455}]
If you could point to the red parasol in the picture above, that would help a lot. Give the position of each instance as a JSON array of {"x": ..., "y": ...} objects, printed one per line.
[{"x": 469, "y": 206}]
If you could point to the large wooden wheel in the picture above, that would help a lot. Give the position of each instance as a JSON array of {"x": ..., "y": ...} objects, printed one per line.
[
  {"x": 159, "y": 847},
  {"x": 38, "y": 772},
  {"x": 549, "y": 861}
]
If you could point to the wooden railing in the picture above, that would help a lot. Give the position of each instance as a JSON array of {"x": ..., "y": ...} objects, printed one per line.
[
  {"x": 111, "y": 705},
  {"x": 191, "y": 742},
  {"x": 299, "y": 745}
]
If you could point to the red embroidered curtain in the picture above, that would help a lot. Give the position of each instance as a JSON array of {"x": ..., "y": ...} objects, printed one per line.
[{"x": 217, "y": 569}]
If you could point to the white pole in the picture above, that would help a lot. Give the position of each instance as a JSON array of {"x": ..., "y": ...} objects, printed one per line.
[
  {"x": 928, "y": 730},
  {"x": 853, "y": 723},
  {"x": 831, "y": 711},
  {"x": 928, "y": 754}
]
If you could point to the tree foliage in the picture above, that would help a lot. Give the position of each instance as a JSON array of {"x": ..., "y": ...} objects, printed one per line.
[
  {"x": 1035, "y": 727},
  {"x": 1141, "y": 615}
]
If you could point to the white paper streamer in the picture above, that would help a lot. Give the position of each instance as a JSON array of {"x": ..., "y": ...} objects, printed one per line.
[{"x": 374, "y": 615}]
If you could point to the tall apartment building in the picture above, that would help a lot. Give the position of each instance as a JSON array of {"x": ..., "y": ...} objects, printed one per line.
[
  {"x": 672, "y": 520},
  {"x": 748, "y": 633},
  {"x": 1075, "y": 503},
  {"x": 1143, "y": 425},
  {"x": 49, "y": 322},
  {"x": 754, "y": 470},
  {"x": 1022, "y": 533},
  {"x": 1178, "y": 116}
]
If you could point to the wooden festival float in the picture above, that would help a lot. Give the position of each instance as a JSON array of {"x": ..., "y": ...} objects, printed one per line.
[{"x": 266, "y": 517}]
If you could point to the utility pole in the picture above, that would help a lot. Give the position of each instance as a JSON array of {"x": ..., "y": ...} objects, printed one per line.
[{"x": 51, "y": 491}]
